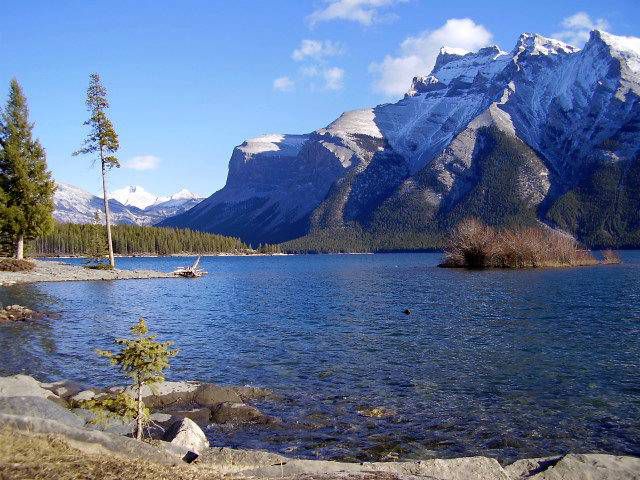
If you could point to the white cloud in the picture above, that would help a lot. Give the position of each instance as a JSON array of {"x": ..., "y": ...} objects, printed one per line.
[
  {"x": 316, "y": 49},
  {"x": 365, "y": 12},
  {"x": 283, "y": 84},
  {"x": 317, "y": 77},
  {"x": 577, "y": 28},
  {"x": 333, "y": 78},
  {"x": 310, "y": 71},
  {"x": 143, "y": 162},
  {"x": 418, "y": 54}
]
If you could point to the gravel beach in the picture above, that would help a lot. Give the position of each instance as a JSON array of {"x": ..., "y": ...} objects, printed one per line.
[{"x": 51, "y": 271}]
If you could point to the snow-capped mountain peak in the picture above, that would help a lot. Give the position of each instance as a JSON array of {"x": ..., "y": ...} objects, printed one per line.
[
  {"x": 131, "y": 204},
  {"x": 546, "y": 112},
  {"x": 535, "y": 44},
  {"x": 134, "y": 196},
  {"x": 184, "y": 194}
]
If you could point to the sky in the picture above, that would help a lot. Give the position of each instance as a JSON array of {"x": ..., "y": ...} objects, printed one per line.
[{"x": 188, "y": 80}]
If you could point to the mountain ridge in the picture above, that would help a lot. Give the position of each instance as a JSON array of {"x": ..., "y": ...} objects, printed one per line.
[
  {"x": 413, "y": 166},
  {"x": 74, "y": 205}
]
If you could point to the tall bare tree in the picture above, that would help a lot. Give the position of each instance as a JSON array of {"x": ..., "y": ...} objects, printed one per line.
[{"x": 103, "y": 141}]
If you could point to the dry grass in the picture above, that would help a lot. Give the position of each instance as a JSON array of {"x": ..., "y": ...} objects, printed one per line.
[
  {"x": 475, "y": 245},
  {"x": 15, "y": 265},
  {"x": 609, "y": 257},
  {"x": 26, "y": 456},
  {"x": 35, "y": 457}
]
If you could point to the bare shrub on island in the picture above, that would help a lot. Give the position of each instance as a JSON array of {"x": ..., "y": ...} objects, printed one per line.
[
  {"x": 472, "y": 245},
  {"x": 610, "y": 257},
  {"x": 475, "y": 245}
]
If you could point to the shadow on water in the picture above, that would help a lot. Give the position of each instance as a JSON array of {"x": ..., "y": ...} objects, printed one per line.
[{"x": 502, "y": 363}]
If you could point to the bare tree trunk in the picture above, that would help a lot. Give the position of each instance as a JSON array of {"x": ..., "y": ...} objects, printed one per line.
[
  {"x": 20, "y": 247},
  {"x": 139, "y": 418},
  {"x": 107, "y": 213}
]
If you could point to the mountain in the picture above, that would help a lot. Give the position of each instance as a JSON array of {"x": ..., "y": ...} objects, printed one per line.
[
  {"x": 135, "y": 196},
  {"x": 543, "y": 133},
  {"x": 74, "y": 205}
]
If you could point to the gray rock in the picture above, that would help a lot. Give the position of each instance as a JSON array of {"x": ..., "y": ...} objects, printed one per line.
[
  {"x": 472, "y": 468},
  {"x": 112, "y": 425},
  {"x": 82, "y": 396},
  {"x": 165, "y": 394},
  {"x": 187, "y": 434},
  {"x": 210, "y": 395},
  {"x": 161, "y": 418},
  {"x": 237, "y": 413},
  {"x": 40, "y": 408},
  {"x": 591, "y": 467},
  {"x": 23, "y": 386},
  {"x": 528, "y": 467},
  {"x": 201, "y": 415},
  {"x": 193, "y": 394},
  {"x": 64, "y": 388},
  {"x": 93, "y": 441}
]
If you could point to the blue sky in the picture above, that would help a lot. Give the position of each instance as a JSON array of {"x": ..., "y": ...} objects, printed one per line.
[{"x": 189, "y": 80}]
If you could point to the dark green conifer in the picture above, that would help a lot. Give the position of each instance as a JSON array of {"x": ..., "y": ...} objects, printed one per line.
[{"x": 27, "y": 203}]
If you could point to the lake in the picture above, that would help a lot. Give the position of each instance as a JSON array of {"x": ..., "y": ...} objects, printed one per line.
[{"x": 507, "y": 364}]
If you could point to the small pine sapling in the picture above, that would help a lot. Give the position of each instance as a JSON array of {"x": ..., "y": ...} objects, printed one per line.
[{"x": 143, "y": 359}]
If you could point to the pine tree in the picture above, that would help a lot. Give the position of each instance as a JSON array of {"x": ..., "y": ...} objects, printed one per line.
[
  {"x": 143, "y": 359},
  {"x": 102, "y": 140},
  {"x": 97, "y": 246},
  {"x": 24, "y": 179}
]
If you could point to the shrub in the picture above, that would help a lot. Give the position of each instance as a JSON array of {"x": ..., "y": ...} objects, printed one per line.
[
  {"x": 143, "y": 359},
  {"x": 119, "y": 406},
  {"x": 15, "y": 265},
  {"x": 610, "y": 257},
  {"x": 99, "y": 266},
  {"x": 472, "y": 245},
  {"x": 475, "y": 245}
]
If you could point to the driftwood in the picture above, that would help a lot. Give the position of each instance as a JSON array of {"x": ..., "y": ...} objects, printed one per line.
[{"x": 193, "y": 271}]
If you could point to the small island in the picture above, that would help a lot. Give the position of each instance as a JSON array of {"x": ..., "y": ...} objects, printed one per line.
[{"x": 474, "y": 245}]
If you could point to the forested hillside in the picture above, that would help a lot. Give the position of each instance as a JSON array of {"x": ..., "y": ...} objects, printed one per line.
[{"x": 73, "y": 239}]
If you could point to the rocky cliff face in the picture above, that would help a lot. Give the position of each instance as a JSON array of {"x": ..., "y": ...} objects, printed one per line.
[{"x": 500, "y": 135}]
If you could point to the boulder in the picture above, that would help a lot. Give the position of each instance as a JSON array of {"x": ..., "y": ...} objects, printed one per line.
[
  {"x": 111, "y": 425},
  {"x": 93, "y": 441},
  {"x": 23, "y": 386},
  {"x": 166, "y": 394},
  {"x": 236, "y": 413},
  {"x": 527, "y": 467},
  {"x": 210, "y": 395},
  {"x": 187, "y": 434},
  {"x": 592, "y": 467},
  {"x": 64, "y": 388},
  {"x": 201, "y": 415},
  {"x": 193, "y": 394},
  {"x": 19, "y": 313},
  {"x": 82, "y": 396},
  {"x": 472, "y": 468},
  {"x": 40, "y": 408}
]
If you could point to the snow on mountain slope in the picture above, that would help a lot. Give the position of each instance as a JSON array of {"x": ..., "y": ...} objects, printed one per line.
[
  {"x": 136, "y": 196},
  {"x": 557, "y": 109},
  {"x": 74, "y": 205}
]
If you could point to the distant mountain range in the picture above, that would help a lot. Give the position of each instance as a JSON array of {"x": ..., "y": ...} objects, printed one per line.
[
  {"x": 132, "y": 205},
  {"x": 544, "y": 133}
]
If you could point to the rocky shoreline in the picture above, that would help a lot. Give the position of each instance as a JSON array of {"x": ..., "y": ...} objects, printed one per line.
[
  {"x": 37, "y": 408},
  {"x": 52, "y": 271}
]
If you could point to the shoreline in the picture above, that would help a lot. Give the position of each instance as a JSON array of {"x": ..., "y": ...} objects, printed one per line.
[
  {"x": 52, "y": 271},
  {"x": 38, "y": 409}
]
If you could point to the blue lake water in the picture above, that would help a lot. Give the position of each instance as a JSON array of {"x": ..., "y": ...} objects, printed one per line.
[{"x": 508, "y": 364}]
